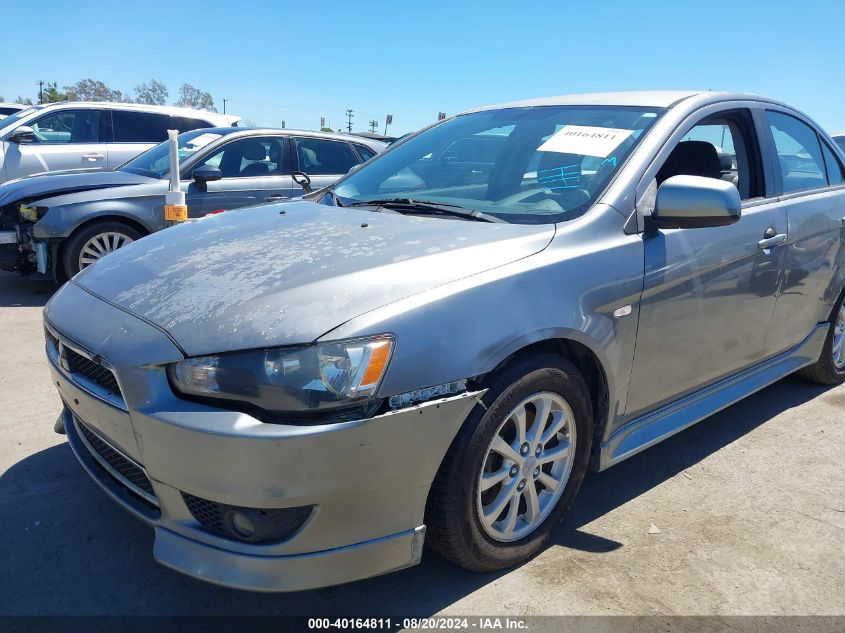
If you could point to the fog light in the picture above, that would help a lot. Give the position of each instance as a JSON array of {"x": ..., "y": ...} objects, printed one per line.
[
  {"x": 242, "y": 525},
  {"x": 250, "y": 525}
]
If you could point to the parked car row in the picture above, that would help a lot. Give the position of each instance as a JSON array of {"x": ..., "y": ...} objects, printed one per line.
[
  {"x": 68, "y": 135},
  {"x": 60, "y": 222},
  {"x": 435, "y": 348}
]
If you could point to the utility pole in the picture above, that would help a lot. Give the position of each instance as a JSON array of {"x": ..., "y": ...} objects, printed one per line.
[
  {"x": 40, "y": 91},
  {"x": 373, "y": 126},
  {"x": 224, "y": 105},
  {"x": 283, "y": 124},
  {"x": 349, "y": 116}
]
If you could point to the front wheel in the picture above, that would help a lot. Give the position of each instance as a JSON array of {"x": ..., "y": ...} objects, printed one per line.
[
  {"x": 514, "y": 468},
  {"x": 93, "y": 242}
]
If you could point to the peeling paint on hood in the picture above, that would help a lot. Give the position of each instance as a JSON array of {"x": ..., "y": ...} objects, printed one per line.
[{"x": 254, "y": 277}]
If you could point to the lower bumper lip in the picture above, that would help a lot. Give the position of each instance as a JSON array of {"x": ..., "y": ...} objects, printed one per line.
[{"x": 367, "y": 480}]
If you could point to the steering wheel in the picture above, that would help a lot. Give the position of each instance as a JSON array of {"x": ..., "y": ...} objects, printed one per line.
[{"x": 522, "y": 195}]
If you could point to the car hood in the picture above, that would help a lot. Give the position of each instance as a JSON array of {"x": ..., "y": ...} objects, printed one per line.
[
  {"x": 62, "y": 182},
  {"x": 289, "y": 273}
]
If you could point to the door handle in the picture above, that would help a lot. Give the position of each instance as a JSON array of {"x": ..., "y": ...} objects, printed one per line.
[
  {"x": 774, "y": 240},
  {"x": 93, "y": 156}
]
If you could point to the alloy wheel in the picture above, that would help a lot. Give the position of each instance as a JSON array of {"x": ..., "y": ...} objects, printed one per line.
[
  {"x": 838, "y": 336},
  {"x": 526, "y": 467},
  {"x": 101, "y": 245}
]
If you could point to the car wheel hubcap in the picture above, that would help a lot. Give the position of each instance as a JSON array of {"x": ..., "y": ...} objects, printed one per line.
[
  {"x": 101, "y": 245},
  {"x": 526, "y": 467},
  {"x": 838, "y": 336}
]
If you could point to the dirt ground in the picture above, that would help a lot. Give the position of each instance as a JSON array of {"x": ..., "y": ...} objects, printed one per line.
[{"x": 742, "y": 514}]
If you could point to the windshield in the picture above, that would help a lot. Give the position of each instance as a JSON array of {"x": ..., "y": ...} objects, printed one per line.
[
  {"x": 13, "y": 119},
  {"x": 523, "y": 165},
  {"x": 155, "y": 162}
]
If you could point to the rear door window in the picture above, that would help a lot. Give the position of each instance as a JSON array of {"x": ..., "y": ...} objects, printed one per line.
[
  {"x": 799, "y": 153},
  {"x": 365, "y": 152},
  {"x": 139, "y": 127},
  {"x": 186, "y": 124},
  {"x": 833, "y": 167},
  {"x": 68, "y": 126},
  {"x": 319, "y": 156}
]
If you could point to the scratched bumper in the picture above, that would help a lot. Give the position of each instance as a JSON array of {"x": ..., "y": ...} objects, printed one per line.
[{"x": 366, "y": 480}]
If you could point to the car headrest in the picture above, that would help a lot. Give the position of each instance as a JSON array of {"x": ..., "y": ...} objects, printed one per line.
[
  {"x": 309, "y": 157},
  {"x": 726, "y": 161},
  {"x": 254, "y": 151},
  {"x": 691, "y": 158}
]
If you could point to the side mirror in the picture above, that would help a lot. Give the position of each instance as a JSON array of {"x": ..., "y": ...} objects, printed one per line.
[
  {"x": 205, "y": 174},
  {"x": 22, "y": 134},
  {"x": 688, "y": 202},
  {"x": 303, "y": 180}
]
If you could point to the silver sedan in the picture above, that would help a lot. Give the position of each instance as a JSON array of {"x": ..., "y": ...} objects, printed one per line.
[{"x": 436, "y": 348}]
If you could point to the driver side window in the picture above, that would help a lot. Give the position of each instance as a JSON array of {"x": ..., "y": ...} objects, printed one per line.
[
  {"x": 68, "y": 126},
  {"x": 719, "y": 147}
]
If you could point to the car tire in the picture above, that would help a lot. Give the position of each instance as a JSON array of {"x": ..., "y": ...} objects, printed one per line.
[
  {"x": 455, "y": 507},
  {"x": 106, "y": 234},
  {"x": 829, "y": 369}
]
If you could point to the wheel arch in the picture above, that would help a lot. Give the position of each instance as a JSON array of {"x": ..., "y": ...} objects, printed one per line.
[
  {"x": 59, "y": 252},
  {"x": 588, "y": 362}
]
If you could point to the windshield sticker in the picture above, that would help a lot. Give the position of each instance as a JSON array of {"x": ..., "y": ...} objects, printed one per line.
[
  {"x": 585, "y": 140},
  {"x": 203, "y": 139}
]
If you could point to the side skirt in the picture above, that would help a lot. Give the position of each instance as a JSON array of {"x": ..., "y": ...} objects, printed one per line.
[{"x": 649, "y": 429}]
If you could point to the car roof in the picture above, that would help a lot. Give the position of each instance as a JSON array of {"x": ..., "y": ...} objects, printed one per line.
[
  {"x": 349, "y": 138},
  {"x": 645, "y": 98},
  {"x": 211, "y": 117}
]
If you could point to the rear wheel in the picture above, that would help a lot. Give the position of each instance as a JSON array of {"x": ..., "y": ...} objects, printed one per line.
[
  {"x": 93, "y": 242},
  {"x": 514, "y": 468},
  {"x": 830, "y": 368}
]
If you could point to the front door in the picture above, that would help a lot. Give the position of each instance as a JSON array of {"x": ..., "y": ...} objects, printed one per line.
[
  {"x": 255, "y": 170},
  {"x": 64, "y": 139},
  {"x": 708, "y": 293}
]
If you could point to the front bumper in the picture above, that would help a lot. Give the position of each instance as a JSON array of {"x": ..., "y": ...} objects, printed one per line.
[{"x": 367, "y": 480}]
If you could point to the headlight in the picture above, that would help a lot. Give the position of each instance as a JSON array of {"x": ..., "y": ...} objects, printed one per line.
[
  {"x": 33, "y": 214},
  {"x": 295, "y": 380}
]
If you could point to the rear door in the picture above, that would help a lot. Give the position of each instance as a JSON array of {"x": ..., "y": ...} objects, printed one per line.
[
  {"x": 324, "y": 160},
  {"x": 64, "y": 139},
  {"x": 810, "y": 178},
  {"x": 709, "y": 293},
  {"x": 255, "y": 169},
  {"x": 135, "y": 132}
]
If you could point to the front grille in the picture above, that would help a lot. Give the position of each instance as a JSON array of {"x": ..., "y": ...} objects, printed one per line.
[
  {"x": 92, "y": 370},
  {"x": 271, "y": 524},
  {"x": 124, "y": 470}
]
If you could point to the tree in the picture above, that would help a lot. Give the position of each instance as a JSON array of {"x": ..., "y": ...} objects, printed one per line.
[
  {"x": 23, "y": 101},
  {"x": 191, "y": 97},
  {"x": 93, "y": 90},
  {"x": 326, "y": 129},
  {"x": 153, "y": 92},
  {"x": 52, "y": 94}
]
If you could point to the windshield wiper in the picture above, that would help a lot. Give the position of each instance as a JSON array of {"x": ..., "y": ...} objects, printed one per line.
[{"x": 424, "y": 207}]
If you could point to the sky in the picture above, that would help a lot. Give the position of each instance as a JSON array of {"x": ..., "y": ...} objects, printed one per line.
[{"x": 299, "y": 61}]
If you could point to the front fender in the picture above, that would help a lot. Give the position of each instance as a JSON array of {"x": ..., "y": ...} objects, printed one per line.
[
  {"x": 571, "y": 290},
  {"x": 60, "y": 221}
]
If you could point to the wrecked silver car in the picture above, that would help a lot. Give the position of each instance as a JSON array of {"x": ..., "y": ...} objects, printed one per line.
[{"x": 436, "y": 348}]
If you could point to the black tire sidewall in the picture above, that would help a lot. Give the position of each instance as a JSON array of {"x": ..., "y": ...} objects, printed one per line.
[
  {"x": 551, "y": 374},
  {"x": 73, "y": 246}
]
